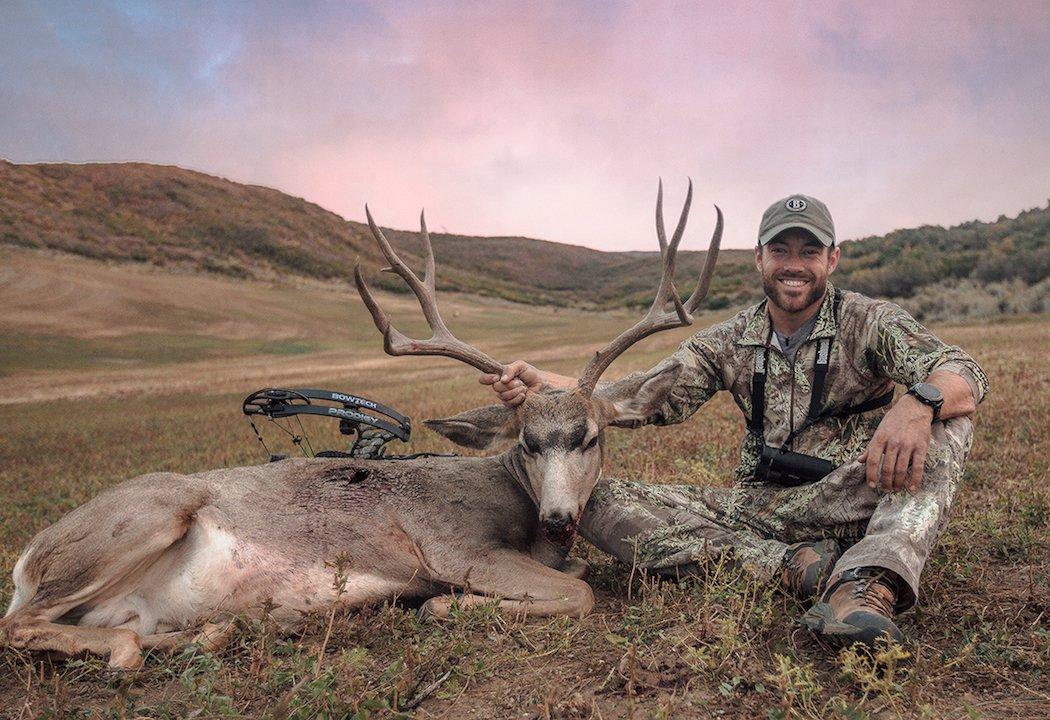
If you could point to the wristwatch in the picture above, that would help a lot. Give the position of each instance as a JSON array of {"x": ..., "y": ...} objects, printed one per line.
[{"x": 928, "y": 394}]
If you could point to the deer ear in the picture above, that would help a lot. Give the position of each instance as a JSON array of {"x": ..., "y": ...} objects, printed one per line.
[
  {"x": 481, "y": 428},
  {"x": 639, "y": 395}
]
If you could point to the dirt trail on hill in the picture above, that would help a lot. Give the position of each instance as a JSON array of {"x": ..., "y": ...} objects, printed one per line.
[{"x": 211, "y": 376}]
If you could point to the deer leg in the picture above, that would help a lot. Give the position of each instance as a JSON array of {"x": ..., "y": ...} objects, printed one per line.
[
  {"x": 124, "y": 647},
  {"x": 167, "y": 641},
  {"x": 215, "y": 635},
  {"x": 522, "y": 585},
  {"x": 556, "y": 556},
  {"x": 210, "y": 637},
  {"x": 92, "y": 553},
  {"x": 26, "y": 632}
]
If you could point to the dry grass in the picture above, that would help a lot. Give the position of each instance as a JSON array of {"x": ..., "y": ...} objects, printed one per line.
[{"x": 978, "y": 645}]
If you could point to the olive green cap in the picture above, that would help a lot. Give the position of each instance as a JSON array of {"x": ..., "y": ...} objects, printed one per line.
[{"x": 797, "y": 211}]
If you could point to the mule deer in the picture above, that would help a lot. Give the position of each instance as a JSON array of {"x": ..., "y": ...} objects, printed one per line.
[{"x": 147, "y": 562}]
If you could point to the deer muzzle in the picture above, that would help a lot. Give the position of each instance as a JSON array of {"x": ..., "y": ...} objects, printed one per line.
[{"x": 559, "y": 528}]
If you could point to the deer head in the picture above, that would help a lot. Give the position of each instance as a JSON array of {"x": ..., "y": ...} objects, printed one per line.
[{"x": 558, "y": 432}]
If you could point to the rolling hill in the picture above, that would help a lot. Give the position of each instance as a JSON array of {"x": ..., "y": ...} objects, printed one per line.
[{"x": 168, "y": 216}]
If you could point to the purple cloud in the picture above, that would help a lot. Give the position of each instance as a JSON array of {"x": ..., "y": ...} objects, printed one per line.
[{"x": 553, "y": 121}]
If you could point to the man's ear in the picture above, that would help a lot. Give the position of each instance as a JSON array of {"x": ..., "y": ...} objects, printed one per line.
[
  {"x": 481, "y": 428},
  {"x": 833, "y": 259},
  {"x": 638, "y": 395}
]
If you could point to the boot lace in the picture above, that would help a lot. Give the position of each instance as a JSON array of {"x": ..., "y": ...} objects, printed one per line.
[{"x": 874, "y": 590}]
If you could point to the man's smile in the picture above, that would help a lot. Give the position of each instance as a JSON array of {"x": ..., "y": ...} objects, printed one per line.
[{"x": 793, "y": 282}]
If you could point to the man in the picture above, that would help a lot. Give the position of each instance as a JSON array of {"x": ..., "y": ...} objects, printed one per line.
[{"x": 837, "y": 495}]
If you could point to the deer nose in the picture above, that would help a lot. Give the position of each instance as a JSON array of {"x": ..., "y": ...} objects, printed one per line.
[{"x": 559, "y": 527}]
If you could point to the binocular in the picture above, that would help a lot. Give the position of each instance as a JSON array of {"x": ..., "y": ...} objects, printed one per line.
[{"x": 783, "y": 467}]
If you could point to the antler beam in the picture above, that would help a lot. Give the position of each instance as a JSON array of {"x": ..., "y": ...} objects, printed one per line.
[
  {"x": 658, "y": 318},
  {"x": 442, "y": 342}
]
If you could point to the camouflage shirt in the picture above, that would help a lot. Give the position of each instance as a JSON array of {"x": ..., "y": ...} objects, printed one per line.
[{"x": 876, "y": 343}]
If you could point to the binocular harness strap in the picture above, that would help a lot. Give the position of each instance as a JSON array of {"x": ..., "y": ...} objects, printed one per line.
[
  {"x": 817, "y": 412},
  {"x": 757, "y": 421}
]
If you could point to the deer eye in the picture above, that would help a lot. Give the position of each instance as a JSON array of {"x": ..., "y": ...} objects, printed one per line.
[
  {"x": 529, "y": 446},
  {"x": 591, "y": 443}
]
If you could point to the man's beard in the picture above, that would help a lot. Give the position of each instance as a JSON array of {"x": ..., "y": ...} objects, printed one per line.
[{"x": 774, "y": 293}]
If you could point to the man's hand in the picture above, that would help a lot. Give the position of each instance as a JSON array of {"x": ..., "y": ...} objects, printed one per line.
[
  {"x": 519, "y": 378},
  {"x": 900, "y": 442},
  {"x": 903, "y": 437}
]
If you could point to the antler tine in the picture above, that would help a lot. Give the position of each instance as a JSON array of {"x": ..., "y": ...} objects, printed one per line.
[
  {"x": 379, "y": 317},
  {"x": 703, "y": 283},
  {"x": 661, "y": 235},
  {"x": 428, "y": 271},
  {"x": 398, "y": 266},
  {"x": 672, "y": 253},
  {"x": 656, "y": 318},
  {"x": 680, "y": 229},
  {"x": 442, "y": 342}
]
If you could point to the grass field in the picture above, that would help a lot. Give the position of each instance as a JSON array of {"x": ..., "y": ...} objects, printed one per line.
[{"x": 108, "y": 372}]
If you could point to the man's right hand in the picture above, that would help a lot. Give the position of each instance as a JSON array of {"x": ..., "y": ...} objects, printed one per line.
[{"x": 519, "y": 378}]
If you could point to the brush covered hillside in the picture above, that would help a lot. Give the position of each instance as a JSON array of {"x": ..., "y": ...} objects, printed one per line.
[
  {"x": 168, "y": 216},
  {"x": 973, "y": 270},
  {"x": 172, "y": 217}
]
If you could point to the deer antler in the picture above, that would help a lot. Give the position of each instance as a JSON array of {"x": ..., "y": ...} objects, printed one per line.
[
  {"x": 442, "y": 342},
  {"x": 657, "y": 318}
]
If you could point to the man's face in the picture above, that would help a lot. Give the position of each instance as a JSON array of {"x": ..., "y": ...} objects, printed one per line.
[{"x": 795, "y": 269}]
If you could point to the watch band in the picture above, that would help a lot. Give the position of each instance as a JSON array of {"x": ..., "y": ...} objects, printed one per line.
[{"x": 929, "y": 402}]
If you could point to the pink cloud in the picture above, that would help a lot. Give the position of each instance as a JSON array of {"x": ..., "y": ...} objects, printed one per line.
[{"x": 555, "y": 120}]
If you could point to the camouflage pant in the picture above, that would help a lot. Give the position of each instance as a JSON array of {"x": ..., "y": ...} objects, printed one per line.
[{"x": 674, "y": 529}]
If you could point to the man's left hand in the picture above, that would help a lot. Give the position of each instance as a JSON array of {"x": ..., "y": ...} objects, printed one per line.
[{"x": 896, "y": 456}]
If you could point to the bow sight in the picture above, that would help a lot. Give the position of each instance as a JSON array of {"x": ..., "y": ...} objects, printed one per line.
[{"x": 370, "y": 433}]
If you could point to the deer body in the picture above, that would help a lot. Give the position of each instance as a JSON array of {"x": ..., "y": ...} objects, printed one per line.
[
  {"x": 300, "y": 534},
  {"x": 149, "y": 560}
]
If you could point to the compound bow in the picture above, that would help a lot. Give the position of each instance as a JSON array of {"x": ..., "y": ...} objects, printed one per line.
[{"x": 371, "y": 432}]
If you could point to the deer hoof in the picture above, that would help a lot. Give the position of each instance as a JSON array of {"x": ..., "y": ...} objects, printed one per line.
[
  {"x": 436, "y": 608},
  {"x": 577, "y": 568},
  {"x": 125, "y": 650},
  {"x": 126, "y": 658}
]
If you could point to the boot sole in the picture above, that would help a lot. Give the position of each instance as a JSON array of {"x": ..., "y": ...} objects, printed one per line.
[{"x": 862, "y": 627}]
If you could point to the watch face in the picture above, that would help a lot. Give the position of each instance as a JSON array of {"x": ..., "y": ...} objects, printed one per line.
[{"x": 928, "y": 392}]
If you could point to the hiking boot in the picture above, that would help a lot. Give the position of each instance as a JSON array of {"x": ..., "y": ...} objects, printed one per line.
[
  {"x": 856, "y": 607},
  {"x": 807, "y": 566}
]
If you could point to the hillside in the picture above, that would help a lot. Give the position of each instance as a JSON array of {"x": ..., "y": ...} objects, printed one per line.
[
  {"x": 974, "y": 269},
  {"x": 168, "y": 216}
]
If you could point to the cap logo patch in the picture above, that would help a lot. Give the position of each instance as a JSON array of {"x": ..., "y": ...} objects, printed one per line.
[{"x": 795, "y": 204}]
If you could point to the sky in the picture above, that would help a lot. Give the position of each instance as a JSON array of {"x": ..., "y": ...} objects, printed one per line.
[{"x": 553, "y": 120}]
